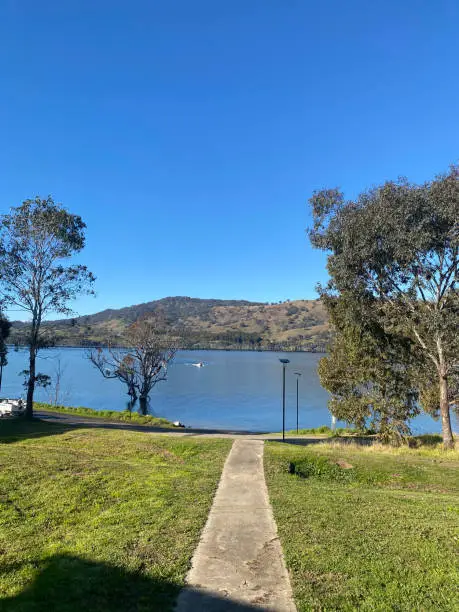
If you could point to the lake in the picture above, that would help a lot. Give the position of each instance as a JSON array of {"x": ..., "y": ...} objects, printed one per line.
[{"x": 239, "y": 390}]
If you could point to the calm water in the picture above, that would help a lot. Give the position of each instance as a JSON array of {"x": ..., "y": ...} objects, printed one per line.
[{"x": 235, "y": 389}]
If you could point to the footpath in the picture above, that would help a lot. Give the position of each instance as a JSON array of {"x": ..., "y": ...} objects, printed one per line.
[{"x": 238, "y": 564}]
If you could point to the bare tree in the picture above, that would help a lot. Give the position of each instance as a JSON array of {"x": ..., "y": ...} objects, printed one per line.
[
  {"x": 117, "y": 363},
  {"x": 142, "y": 365},
  {"x": 57, "y": 394}
]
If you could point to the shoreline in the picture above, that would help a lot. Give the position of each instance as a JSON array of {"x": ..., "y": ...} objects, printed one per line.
[
  {"x": 134, "y": 419},
  {"x": 66, "y": 418},
  {"x": 15, "y": 347}
]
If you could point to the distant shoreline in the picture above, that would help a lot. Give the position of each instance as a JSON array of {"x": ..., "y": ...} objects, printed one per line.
[
  {"x": 232, "y": 350},
  {"x": 201, "y": 324}
]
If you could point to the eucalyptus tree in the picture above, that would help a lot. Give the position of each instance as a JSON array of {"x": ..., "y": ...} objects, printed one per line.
[
  {"x": 370, "y": 374},
  {"x": 143, "y": 364},
  {"x": 37, "y": 239},
  {"x": 397, "y": 246}
]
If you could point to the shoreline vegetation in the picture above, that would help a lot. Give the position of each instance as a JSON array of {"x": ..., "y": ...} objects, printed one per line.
[
  {"x": 124, "y": 416},
  {"x": 323, "y": 431},
  {"x": 277, "y": 349}
]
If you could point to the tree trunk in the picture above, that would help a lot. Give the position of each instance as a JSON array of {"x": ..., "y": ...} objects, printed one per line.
[
  {"x": 448, "y": 441},
  {"x": 30, "y": 384},
  {"x": 143, "y": 404}
]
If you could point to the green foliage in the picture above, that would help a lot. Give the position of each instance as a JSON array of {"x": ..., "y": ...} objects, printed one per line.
[
  {"x": 5, "y": 329},
  {"x": 125, "y": 416},
  {"x": 326, "y": 430},
  {"x": 323, "y": 429},
  {"x": 394, "y": 260},
  {"x": 369, "y": 372},
  {"x": 40, "y": 380},
  {"x": 424, "y": 440},
  {"x": 321, "y": 467},
  {"x": 36, "y": 241},
  {"x": 36, "y": 238}
]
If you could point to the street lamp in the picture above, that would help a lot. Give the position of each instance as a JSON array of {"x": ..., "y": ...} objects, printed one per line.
[
  {"x": 297, "y": 374},
  {"x": 284, "y": 362}
]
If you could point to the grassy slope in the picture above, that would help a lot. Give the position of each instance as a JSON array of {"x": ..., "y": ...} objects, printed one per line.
[
  {"x": 111, "y": 415},
  {"x": 382, "y": 535},
  {"x": 97, "y": 519}
]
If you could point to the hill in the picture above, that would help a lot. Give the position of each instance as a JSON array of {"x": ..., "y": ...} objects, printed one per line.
[{"x": 296, "y": 325}]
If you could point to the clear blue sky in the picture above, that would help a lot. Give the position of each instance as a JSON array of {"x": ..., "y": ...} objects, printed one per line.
[{"x": 190, "y": 134}]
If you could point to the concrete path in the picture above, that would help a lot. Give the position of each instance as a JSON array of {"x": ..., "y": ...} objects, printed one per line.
[{"x": 238, "y": 564}]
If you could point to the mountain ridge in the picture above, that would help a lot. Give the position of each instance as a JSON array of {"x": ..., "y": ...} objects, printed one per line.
[{"x": 208, "y": 323}]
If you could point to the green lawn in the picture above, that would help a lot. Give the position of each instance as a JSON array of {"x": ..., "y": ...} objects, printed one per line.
[
  {"x": 380, "y": 535},
  {"x": 113, "y": 415},
  {"x": 99, "y": 519}
]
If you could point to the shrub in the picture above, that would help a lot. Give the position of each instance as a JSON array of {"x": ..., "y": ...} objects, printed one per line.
[
  {"x": 424, "y": 440},
  {"x": 323, "y": 468}
]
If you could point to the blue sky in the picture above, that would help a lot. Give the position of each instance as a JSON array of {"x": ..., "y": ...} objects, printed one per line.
[{"x": 189, "y": 135}]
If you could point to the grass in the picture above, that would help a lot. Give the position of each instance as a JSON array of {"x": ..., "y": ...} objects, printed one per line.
[
  {"x": 124, "y": 416},
  {"x": 328, "y": 431},
  {"x": 368, "y": 528},
  {"x": 95, "y": 519},
  {"x": 370, "y": 435}
]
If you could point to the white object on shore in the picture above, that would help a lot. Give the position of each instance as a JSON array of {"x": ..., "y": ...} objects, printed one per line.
[
  {"x": 178, "y": 424},
  {"x": 11, "y": 407}
]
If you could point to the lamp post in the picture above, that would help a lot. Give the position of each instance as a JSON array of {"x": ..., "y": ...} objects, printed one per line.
[
  {"x": 297, "y": 374},
  {"x": 284, "y": 362}
]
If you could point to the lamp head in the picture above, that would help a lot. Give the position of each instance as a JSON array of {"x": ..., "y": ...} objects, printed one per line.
[{"x": 284, "y": 361}]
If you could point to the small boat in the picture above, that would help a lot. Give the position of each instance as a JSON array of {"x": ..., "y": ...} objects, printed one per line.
[{"x": 198, "y": 365}]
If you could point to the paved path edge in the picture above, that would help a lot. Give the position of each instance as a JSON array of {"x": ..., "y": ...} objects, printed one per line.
[{"x": 238, "y": 563}]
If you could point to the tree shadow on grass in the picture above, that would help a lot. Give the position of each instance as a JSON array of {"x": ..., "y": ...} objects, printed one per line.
[
  {"x": 72, "y": 584},
  {"x": 14, "y": 430},
  {"x": 105, "y": 423}
]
